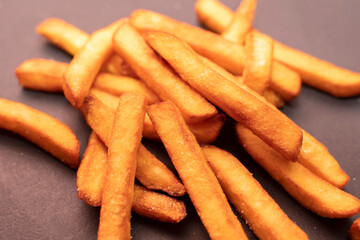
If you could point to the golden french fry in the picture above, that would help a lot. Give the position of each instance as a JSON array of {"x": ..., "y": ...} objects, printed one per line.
[
  {"x": 130, "y": 45},
  {"x": 307, "y": 188},
  {"x": 315, "y": 72},
  {"x": 259, "y": 59},
  {"x": 261, "y": 212},
  {"x": 86, "y": 64},
  {"x": 151, "y": 172},
  {"x": 40, "y": 128},
  {"x": 118, "y": 191},
  {"x": 41, "y": 74},
  {"x": 354, "y": 232},
  {"x": 199, "y": 180},
  {"x": 118, "y": 85},
  {"x": 230, "y": 56},
  {"x": 268, "y": 123},
  {"x": 242, "y": 21},
  {"x": 274, "y": 98}
]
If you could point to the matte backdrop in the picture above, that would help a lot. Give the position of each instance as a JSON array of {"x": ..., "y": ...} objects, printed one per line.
[{"x": 38, "y": 193}]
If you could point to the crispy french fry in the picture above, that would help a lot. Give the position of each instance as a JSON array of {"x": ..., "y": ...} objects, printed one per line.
[
  {"x": 118, "y": 191},
  {"x": 40, "y": 128},
  {"x": 261, "y": 212},
  {"x": 41, "y": 74},
  {"x": 130, "y": 45},
  {"x": 315, "y": 72},
  {"x": 242, "y": 21},
  {"x": 151, "y": 172},
  {"x": 199, "y": 180},
  {"x": 268, "y": 123},
  {"x": 259, "y": 59},
  {"x": 354, "y": 232},
  {"x": 86, "y": 64},
  {"x": 307, "y": 188},
  {"x": 229, "y": 55},
  {"x": 118, "y": 85}
]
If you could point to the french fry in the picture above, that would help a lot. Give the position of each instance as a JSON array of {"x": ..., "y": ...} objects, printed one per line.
[
  {"x": 314, "y": 72},
  {"x": 266, "y": 122},
  {"x": 118, "y": 191},
  {"x": 354, "y": 232},
  {"x": 199, "y": 180},
  {"x": 230, "y": 56},
  {"x": 261, "y": 212},
  {"x": 274, "y": 98},
  {"x": 259, "y": 59},
  {"x": 86, "y": 64},
  {"x": 129, "y": 44},
  {"x": 118, "y": 85},
  {"x": 151, "y": 172},
  {"x": 40, "y": 128},
  {"x": 308, "y": 189},
  {"x": 242, "y": 21},
  {"x": 41, "y": 74}
]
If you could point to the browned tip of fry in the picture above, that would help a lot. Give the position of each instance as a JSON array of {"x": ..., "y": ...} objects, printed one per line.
[
  {"x": 354, "y": 232},
  {"x": 158, "y": 206},
  {"x": 207, "y": 131}
]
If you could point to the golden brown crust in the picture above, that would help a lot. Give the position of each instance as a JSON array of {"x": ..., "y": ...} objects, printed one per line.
[
  {"x": 307, "y": 188},
  {"x": 40, "y": 128},
  {"x": 261, "y": 212},
  {"x": 354, "y": 232},
  {"x": 199, "y": 180},
  {"x": 239, "y": 103}
]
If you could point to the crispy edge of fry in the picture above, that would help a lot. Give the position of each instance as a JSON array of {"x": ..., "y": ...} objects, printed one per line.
[
  {"x": 86, "y": 64},
  {"x": 308, "y": 189},
  {"x": 63, "y": 34},
  {"x": 41, "y": 74},
  {"x": 131, "y": 46},
  {"x": 42, "y": 129},
  {"x": 245, "y": 106},
  {"x": 259, "y": 60},
  {"x": 241, "y": 23},
  {"x": 118, "y": 85},
  {"x": 263, "y": 215},
  {"x": 200, "y": 182},
  {"x": 354, "y": 232},
  {"x": 100, "y": 118},
  {"x": 118, "y": 191}
]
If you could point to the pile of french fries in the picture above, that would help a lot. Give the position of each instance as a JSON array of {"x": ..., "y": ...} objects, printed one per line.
[{"x": 150, "y": 76}]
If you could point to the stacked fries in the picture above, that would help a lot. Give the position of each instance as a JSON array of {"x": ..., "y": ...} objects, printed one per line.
[{"x": 155, "y": 77}]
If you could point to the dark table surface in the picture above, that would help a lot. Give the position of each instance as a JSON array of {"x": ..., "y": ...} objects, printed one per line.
[{"x": 38, "y": 193}]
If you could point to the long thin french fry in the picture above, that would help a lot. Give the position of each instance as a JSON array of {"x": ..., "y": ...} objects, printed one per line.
[
  {"x": 229, "y": 55},
  {"x": 255, "y": 205},
  {"x": 130, "y": 45},
  {"x": 118, "y": 191},
  {"x": 40, "y": 128},
  {"x": 307, "y": 188},
  {"x": 267, "y": 122},
  {"x": 314, "y": 72},
  {"x": 199, "y": 180}
]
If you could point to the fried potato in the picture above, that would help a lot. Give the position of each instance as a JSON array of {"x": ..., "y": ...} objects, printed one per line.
[
  {"x": 118, "y": 191},
  {"x": 230, "y": 56},
  {"x": 308, "y": 189},
  {"x": 151, "y": 172},
  {"x": 268, "y": 123},
  {"x": 259, "y": 59},
  {"x": 118, "y": 85},
  {"x": 274, "y": 98},
  {"x": 261, "y": 212},
  {"x": 354, "y": 232},
  {"x": 207, "y": 131},
  {"x": 86, "y": 64},
  {"x": 40, "y": 128},
  {"x": 199, "y": 180},
  {"x": 130, "y": 45},
  {"x": 41, "y": 74},
  {"x": 90, "y": 182},
  {"x": 242, "y": 21},
  {"x": 314, "y": 72}
]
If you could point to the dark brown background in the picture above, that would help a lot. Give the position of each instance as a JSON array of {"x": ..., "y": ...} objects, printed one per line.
[{"x": 38, "y": 193}]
